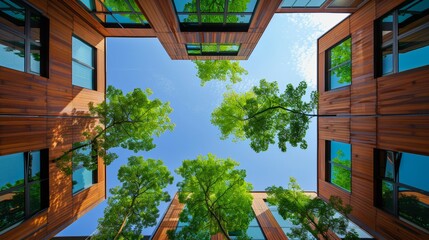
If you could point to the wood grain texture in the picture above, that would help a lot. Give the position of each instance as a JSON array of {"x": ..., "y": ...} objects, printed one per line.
[
  {"x": 334, "y": 128},
  {"x": 389, "y": 112},
  {"x": 40, "y": 113}
]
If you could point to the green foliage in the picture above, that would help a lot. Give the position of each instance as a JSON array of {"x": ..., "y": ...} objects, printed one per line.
[
  {"x": 341, "y": 56},
  {"x": 128, "y": 121},
  {"x": 311, "y": 214},
  {"x": 262, "y": 114},
  {"x": 122, "y": 6},
  {"x": 217, "y": 198},
  {"x": 133, "y": 206},
  {"x": 214, "y": 6},
  {"x": 221, "y": 70}
]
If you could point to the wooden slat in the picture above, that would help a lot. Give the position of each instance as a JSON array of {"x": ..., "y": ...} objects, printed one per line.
[{"x": 334, "y": 128}]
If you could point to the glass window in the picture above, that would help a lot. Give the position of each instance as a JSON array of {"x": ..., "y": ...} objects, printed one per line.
[
  {"x": 83, "y": 65},
  {"x": 116, "y": 14},
  {"x": 302, "y": 3},
  {"x": 402, "y": 186},
  {"x": 15, "y": 188},
  {"x": 339, "y": 65},
  {"x": 82, "y": 177},
  {"x": 212, "y": 49},
  {"x": 285, "y": 224},
  {"x": 22, "y": 41},
  {"x": 223, "y": 15},
  {"x": 404, "y": 38},
  {"x": 339, "y": 164}
]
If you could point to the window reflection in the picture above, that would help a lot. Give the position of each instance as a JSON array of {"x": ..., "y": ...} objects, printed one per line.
[
  {"x": 21, "y": 197},
  {"x": 212, "y": 49},
  {"x": 405, "y": 38},
  {"x": 339, "y": 164},
  {"x": 221, "y": 15},
  {"x": 339, "y": 72},
  {"x": 403, "y": 189}
]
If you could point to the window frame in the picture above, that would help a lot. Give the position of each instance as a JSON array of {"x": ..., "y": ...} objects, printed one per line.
[
  {"x": 329, "y": 163},
  {"x": 329, "y": 68},
  {"x": 213, "y": 27},
  {"x": 379, "y": 155},
  {"x": 93, "y": 61},
  {"x": 218, "y": 53},
  {"x": 393, "y": 43},
  {"x": 117, "y": 24},
  {"x": 28, "y": 41},
  {"x": 26, "y": 186},
  {"x": 93, "y": 172}
]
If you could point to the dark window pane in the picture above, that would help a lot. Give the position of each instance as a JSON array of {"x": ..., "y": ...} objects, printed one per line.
[
  {"x": 340, "y": 160},
  {"x": 414, "y": 50},
  {"x": 341, "y": 76},
  {"x": 387, "y": 60},
  {"x": 341, "y": 153},
  {"x": 35, "y": 58},
  {"x": 11, "y": 170},
  {"x": 82, "y": 177},
  {"x": 188, "y": 18},
  {"x": 11, "y": 208},
  {"x": 413, "y": 171},
  {"x": 82, "y": 52},
  {"x": 387, "y": 165},
  {"x": 316, "y": 3},
  {"x": 412, "y": 15},
  {"x": 34, "y": 166},
  {"x": 117, "y": 6},
  {"x": 339, "y": 66},
  {"x": 387, "y": 29},
  {"x": 88, "y": 3},
  {"x": 387, "y": 196},
  {"x": 212, "y": 6},
  {"x": 341, "y": 177},
  {"x": 212, "y": 18},
  {"x": 414, "y": 207},
  {"x": 12, "y": 53},
  {"x": 123, "y": 18},
  {"x": 193, "y": 46},
  {"x": 185, "y": 5},
  {"x": 13, "y": 15},
  {"x": 35, "y": 197},
  {"x": 35, "y": 24},
  {"x": 82, "y": 76},
  {"x": 194, "y": 52},
  {"x": 239, "y": 18},
  {"x": 209, "y": 48}
]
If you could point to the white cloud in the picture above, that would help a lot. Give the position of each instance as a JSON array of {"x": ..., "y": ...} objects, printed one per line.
[{"x": 305, "y": 52}]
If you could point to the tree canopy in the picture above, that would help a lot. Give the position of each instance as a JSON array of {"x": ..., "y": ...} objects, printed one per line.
[
  {"x": 311, "y": 215},
  {"x": 129, "y": 121},
  {"x": 216, "y": 198},
  {"x": 133, "y": 205},
  {"x": 263, "y": 113},
  {"x": 221, "y": 70}
]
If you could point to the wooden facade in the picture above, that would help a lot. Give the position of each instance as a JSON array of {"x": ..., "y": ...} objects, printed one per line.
[
  {"x": 49, "y": 113},
  {"x": 387, "y": 112},
  {"x": 269, "y": 226}
]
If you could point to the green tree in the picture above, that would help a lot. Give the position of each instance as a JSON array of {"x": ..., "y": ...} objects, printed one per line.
[
  {"x": 133, "y": 205},
  {"x": 129, "y": 121},
  {"x": 123, "y": 6},
  {"x": 263, "y": 113},
  {"x": 221, "y": 70},
  {"x": 216, "y": 198},
  {"x": 311, "y": 215}
]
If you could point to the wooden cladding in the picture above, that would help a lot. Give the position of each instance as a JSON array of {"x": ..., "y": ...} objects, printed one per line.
[
  {"x": 389, "y": 112},
  {"x": 46, "y": 113}
]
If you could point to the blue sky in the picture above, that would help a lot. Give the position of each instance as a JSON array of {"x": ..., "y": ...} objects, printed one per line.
[{"x": 286, "y": 53}]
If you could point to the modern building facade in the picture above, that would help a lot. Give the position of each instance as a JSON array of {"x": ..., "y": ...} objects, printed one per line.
[
  {"x": 52, "y": 64},
  {"x": 267, "y": 224},
  {"x": 373, "y": 134},
  {"x": 373, "y": 86}
]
